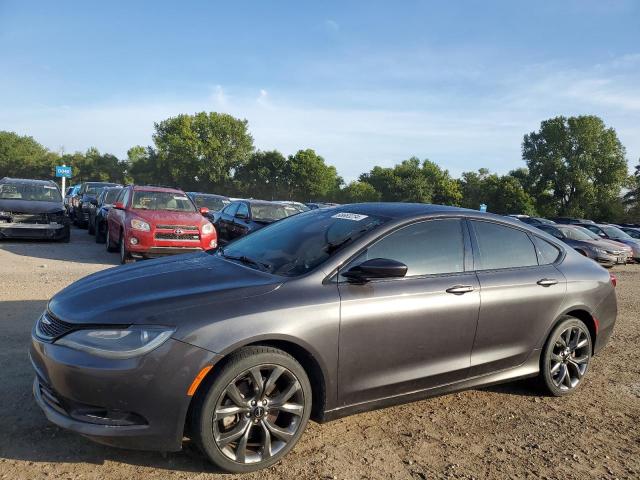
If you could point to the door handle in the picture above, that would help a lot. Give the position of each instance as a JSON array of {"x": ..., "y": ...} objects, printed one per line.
[
  {"x": 547, "y": 282},
  {"x": 459, "y": 289}
]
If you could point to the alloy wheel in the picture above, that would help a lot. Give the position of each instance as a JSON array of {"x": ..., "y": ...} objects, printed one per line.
[
  {"x": 569, "y": 358},
  {"x": 258, "y": 414}
]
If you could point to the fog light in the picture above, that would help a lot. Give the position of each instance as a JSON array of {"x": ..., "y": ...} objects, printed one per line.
[
  {"x": 213, "y": 243},
  {"x": 133, "y": 241}
]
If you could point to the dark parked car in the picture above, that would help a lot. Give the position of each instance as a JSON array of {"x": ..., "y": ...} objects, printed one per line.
[
  {"x": 71, "y": 191},
  {"x": 32, "y": 209},
  {"x": 214, "y": 203},
  {"x": 98, "y": 211},
  {"x": 242, "y": 217},
  {"x": 535, "y": 221},
  {"x": 322, "y": 315},
  {"x": 601, "y": 251},
  {"x": 610, "y": 232},
  {"x": 81, "y": 201}
]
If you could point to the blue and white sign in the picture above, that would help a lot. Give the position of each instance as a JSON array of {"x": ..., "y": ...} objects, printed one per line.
[
  {"x": 63, "y": 171},
  {"x": 483, "y": 207}
]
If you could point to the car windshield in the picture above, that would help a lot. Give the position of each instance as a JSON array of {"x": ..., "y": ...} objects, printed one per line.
[
  {"x": 615, "y": 232},
  {"x": 35, "y": 192},
  {"x": 575, "y": 233},
  {"x": 211, "y": 202},
  {"x": 172, "y": 201},
  {"x": 111, "y": 195},
  {"x": 270, "y": 212},
  {"x": 299, "y": 244},
  {"x": 94, "y": 189},
  {"x": 589, "y": 233}
]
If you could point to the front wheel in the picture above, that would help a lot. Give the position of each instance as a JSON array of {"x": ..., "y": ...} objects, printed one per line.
[
  {"x": 125, "y": 256},
  {"x": 566, "y": 357},
  {"x": 109, "y": 243},
  {"x": 255, "y": 410}
]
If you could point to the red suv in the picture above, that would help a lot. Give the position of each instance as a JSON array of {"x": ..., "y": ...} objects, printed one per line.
[{"x": 147, "y": 222}]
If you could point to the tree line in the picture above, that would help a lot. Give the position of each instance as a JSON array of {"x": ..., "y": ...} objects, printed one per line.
[{"x": 574, "y": 166}]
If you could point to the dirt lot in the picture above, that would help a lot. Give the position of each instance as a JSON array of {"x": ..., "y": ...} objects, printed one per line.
[{"x": 501, "y": 432}]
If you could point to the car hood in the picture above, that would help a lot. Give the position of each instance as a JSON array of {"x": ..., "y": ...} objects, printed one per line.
[
  {"x": 141, "y": 293},
  {"x": 165, "y": 217},
  {"x": 29, "y": 206}
]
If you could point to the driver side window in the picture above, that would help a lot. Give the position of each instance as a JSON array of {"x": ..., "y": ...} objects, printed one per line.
[
  {"x": 243, "y": 211},
  {"x": 431, "y": 247}
]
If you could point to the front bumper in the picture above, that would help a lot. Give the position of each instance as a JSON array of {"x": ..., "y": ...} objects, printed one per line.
[
  {"x": 92, "y": 395},
  {"x": 610, "y": 260},
  {"x": 50, "y": 231},
  {"x": 155, "y": 252}
]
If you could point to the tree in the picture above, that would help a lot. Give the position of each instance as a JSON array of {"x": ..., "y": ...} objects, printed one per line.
[
  {"x": 265, "y": 175},
  {"x": 631, "y": 199},
  {"x": 310, "y": 178},
  {"x": 502, "y": 194},
  {"x": 94, "y": 166},
  {"x": 23, "y": 157},
  {"x": 357, "y": 192},
  {"x": 576, "y": 166},
  {"x": 202, "y": 151}
]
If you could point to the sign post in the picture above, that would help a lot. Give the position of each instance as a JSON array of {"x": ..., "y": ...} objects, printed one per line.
[{"x": 64, "y": 172}]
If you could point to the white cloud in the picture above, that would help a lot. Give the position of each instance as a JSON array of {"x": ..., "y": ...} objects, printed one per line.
[{"x": 331, "y": 25}]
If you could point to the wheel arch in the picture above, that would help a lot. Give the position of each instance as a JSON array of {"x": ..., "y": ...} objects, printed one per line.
[{"x": 583, "y": 314}]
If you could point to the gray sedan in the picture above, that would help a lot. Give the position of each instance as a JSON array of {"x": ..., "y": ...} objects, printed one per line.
[{"x": 325, "y": 314}]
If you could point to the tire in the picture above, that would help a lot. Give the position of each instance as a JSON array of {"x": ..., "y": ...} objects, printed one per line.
[
  {"x": 100, "y": 234},
  {"x": 91, "y": 227},
  {"x": 109, "y": 244},
  {"x": 67, "y": 235},
  {"x": 125, "y": 256},
  {"x": 267, "y": 428},
  {"x": 566, "y": 357}
]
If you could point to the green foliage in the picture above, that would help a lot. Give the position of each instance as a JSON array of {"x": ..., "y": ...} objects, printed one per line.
[
  {"x": 94, "y": 166},
  {"x": 265, "y": 175},
  {"x": 23, "y": 157},
  {"x": 502, "y": 194},
  {"x": 632, "y": 198},
  {"x": 310, "y": 178},
  {"x": 576, "y": 167},
  {"x": 358, "y": 192},
  {"x": 200, "y": 152}
]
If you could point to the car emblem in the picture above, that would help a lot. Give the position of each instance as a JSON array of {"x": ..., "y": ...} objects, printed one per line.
[{"x": 178, "y": 231}]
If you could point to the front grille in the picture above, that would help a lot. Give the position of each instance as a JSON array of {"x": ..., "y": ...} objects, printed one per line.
[
  {"x": 50, "y": 328},
  {"x": 176, "y": 236},
  {"x": 186, "y": 228},
  {"x": 37, "y": 218}
]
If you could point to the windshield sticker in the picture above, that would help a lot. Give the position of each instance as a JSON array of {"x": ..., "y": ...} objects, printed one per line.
[
  {"x": 177, "y": 197},
  {"x": 50, "y": 187},
  {"x": 356, "y": 217}
]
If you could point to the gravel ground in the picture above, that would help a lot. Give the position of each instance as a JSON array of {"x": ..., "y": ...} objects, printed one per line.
[{"x": 501, "y": 432}]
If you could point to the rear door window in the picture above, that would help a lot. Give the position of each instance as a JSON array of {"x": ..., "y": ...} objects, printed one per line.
[
  {"x": 500, "y": 246},
  {"x": 547, "y": 253}
]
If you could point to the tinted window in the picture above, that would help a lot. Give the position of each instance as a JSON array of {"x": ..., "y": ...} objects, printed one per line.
[
  {"x": 556, "y": 232},
  {"x": 209, "y": 201},
  {"x": 125, "y": 197},
  {"x": 270, "y": 212},
  {"x": 231, "y": 209},
  {"x": 427, "y": 248},
  {"x": 243, "y": 210},
  {"x": 503, "y": 247},
  {"x": 547, "y": 253},
  {"x": 110, "y": 196},
  {"x": 169, "y": 201}
]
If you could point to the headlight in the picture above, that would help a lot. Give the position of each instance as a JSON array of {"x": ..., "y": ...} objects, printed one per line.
[
  {"x": 117, "y": 343},
  {"x": 207, "y": 228},
  {"x": 140, "y": 225}
]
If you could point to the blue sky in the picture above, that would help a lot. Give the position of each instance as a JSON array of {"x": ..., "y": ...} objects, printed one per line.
[{"x": 363, "y": 83}]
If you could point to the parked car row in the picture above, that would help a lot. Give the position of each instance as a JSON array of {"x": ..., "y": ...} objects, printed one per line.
[{"x": 608, "y": 244}]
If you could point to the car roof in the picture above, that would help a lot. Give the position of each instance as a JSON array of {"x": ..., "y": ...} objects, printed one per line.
[
  {"x": 27, "y": 180},
  {"x": 151, "y": 188},
  {"x": 207, "y": 194},
  {"x": 399, "y": 210}
]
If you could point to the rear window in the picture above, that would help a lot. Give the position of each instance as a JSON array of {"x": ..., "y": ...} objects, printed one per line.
[
  {"x": 270, "y": 212},
  {"x": 209, "y": 201},
  {"x": 503, "y": 247},
  {"x": 170, "y": 201},
  {"x": 111, "y": 195}
]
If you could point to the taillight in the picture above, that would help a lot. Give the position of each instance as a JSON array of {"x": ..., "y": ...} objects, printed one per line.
[{"x": 614, "y": 279}]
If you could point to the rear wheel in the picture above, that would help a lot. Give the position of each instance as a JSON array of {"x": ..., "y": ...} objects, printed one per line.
[
  {"x": 110, "y": 246},
  {"x": 66, "y": 237},
  {"x": 100, "y": 233},
  {"x": 91, "y": 227},
  {"x": 255, "y": 410},
  {"x": 566, "y": 357}
]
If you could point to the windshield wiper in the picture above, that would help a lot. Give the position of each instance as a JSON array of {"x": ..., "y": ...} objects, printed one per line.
[
  {"x": 248, "y": 261},
  {"x": 332, "y": 247}
]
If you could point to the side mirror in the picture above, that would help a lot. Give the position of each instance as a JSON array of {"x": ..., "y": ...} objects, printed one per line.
[
  {"x": 376, "y": 268},
  {"x": 118, "y": 206},
  {"x": 204, "y": 210},
  {"x": 602, "y": 235}
]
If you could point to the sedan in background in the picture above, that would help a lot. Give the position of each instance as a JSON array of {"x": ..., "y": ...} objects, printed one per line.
[
  {"x": 32, "y": 209},
  {"x": 610, "y": 232},
  {"x": 99, "y": 210},
  {"x": 633, "y": 232},
  {"x": 242, "y": 217},
  {"x": 321, "y": 315},
  {"x": 81, "y": 201},
  {"x": 149, "y": 222},
  {"x": 601, "y": 251}
]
